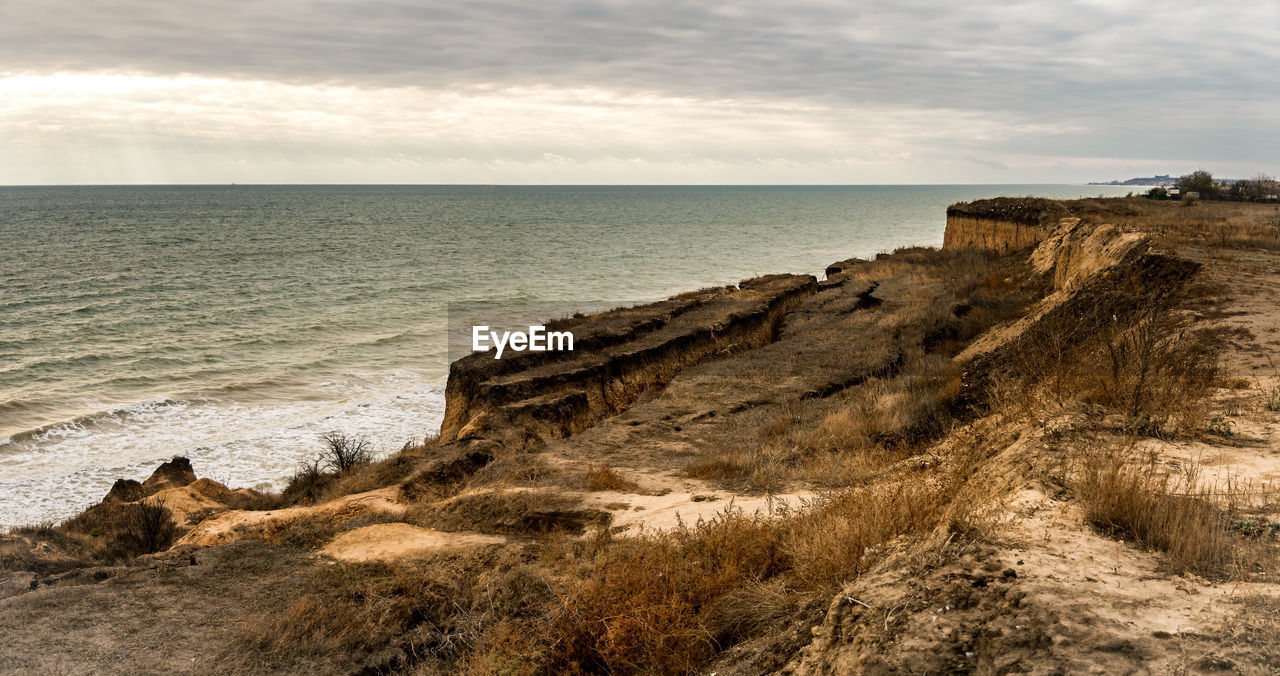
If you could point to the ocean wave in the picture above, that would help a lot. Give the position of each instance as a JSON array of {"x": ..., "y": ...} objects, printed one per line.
[
  {"x": 79, "y": 423},
  {"x": 52, "y": 472}
]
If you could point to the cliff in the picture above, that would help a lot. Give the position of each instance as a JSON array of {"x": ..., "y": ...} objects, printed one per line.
[{"x": 618, "y": 355}]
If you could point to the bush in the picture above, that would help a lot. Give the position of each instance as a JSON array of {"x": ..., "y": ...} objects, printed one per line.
[
  {"x": 307, "y": 484},
  {"x": 343, "y": 452},
  {"x": 1199, "y": 181},
  {"x": 148, "y": 526}
]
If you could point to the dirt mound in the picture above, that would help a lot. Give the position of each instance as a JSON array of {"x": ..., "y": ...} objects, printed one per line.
[
  {"x": 197, "y": 497},
  {"x": 1075, "y": 251},
  {"x": 385, "y": 541},
  {"x": 241, "y": 524}
]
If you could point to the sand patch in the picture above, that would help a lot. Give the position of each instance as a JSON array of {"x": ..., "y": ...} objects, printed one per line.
[
  {"x": 392, "y": 540},
  {"x": 664, "y": 512},
  {"x": 232, "y": 525}
]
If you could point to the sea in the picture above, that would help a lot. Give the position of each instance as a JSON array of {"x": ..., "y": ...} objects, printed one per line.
[{"x": 234, "y": 325}]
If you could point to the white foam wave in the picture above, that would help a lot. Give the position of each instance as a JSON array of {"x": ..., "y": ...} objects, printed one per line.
[{"x": 59, "y": 471}]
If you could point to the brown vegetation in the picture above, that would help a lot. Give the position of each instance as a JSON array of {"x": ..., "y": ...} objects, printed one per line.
[{"x": 1159, "y": 507}]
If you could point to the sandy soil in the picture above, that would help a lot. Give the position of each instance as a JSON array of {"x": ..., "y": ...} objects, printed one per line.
[{"x": 385, "y": 541}]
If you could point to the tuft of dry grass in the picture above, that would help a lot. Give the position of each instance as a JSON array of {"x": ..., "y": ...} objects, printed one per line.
[
  {"x": 645, "y": 602},
  {"x": 603, "y": 478},
  {"x": 843, "y": 535},
  {"x": 516, "y": 469},
  {"x": 750, "y": 466},
  {"x": 508, "y": 512},
  {"x": 1168, "y": 509}
]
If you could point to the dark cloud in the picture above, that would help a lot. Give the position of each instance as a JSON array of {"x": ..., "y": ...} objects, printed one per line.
[
  {"x": 1024, "y": 55},
  {"x": 1114, "y": 77}
]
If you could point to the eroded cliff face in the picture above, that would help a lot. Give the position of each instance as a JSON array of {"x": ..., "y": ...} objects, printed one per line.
[
  {"x": 1002, "y": 225},
  {"x": 988, "y": 234},
  {"x": 1101, "y": 277},
  {"x": 617, "y": 356}
]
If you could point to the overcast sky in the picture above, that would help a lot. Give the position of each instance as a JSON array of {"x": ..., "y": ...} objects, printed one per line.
[{"x": 655, "y": 91}]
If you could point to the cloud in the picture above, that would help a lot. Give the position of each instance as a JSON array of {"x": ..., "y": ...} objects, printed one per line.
[{"x": 808, "y": 82}]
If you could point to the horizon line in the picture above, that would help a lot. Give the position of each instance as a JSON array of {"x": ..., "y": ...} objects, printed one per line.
[{"x": 541, "y": 185}]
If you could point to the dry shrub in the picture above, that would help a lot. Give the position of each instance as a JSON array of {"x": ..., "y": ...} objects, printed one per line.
[
  {"x": 603, "y": 478},
  {"x": 125, "y": 529},
  {"x": 307, "y": 484},
  {"x": 343, "y": 452},
  {"x": 387, "y": 616},
  {"x": 842, "y": 536},
  {"x": 1165, "y": 509},
  {"x": 513, "y": 512},
  {"x": 346, "y": 466},
  {"x": 148, "y": 526},
  {"x": 646, "y": 602},
  {"x": 368, "y": 477},
  {"x": 1155, "y": 368}
]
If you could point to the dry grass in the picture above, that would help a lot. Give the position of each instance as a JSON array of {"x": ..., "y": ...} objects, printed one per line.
[
  {"x": 1219, "y": 224},
  {"x": 516, "y": 469},
  {"x": 1214, "y": 223},
  {"x": 431, "y": 614},
  {"x": 668, "y": 602},
  {"x": 1135, "y": 496},
  {"x": 1155, "y": 370},
  {"x": 873, "y": 425},
  {"x": 644, "y": 603},
  {"x": 509, "y": 512},
  {"x": 602, "y": 478},
  {"x": 46, "y": 550},
  {"x": 655, "y": 602}
]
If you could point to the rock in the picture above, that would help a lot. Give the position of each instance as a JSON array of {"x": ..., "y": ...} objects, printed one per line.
[
  {"x": 124, "y": 490},
  {"x": 173, "y": 474}
]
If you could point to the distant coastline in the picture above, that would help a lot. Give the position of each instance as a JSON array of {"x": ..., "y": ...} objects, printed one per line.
[{"x": 1148, "y": 180}]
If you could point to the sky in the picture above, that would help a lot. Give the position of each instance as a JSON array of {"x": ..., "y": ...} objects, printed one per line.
[{"x": 642, "y": 92}]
